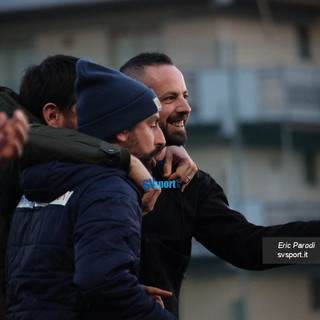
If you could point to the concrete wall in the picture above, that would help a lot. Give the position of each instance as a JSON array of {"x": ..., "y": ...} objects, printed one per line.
[{"x": 268, "y": 295}]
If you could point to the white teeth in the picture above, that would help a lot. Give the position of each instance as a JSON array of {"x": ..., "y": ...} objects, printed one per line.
[{"x": 178, "y": 124}]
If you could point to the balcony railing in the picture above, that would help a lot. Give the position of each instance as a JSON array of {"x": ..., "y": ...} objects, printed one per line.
[{"x": 255, "y": 95}]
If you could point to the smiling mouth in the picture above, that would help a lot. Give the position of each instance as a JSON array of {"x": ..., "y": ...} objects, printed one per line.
[{"x": 178, "y": 123}]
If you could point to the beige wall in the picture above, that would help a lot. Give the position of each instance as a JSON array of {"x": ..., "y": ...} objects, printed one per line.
[
  {"x": 209, "y": 298},
  {"x": 256, "y": 44},
  {"x": 193, "y": 42},
  {"x": 269, "y": 295},
  {"x": 268, "y": 175},
  {"x": 315, "y": 38},
  {"x": 88, "y": 43}
]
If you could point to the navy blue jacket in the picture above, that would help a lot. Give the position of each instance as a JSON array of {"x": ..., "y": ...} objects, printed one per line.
[{"x": 74, "y": 247}]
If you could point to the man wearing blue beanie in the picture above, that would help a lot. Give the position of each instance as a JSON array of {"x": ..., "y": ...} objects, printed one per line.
[
  {"x": 109, "y": 102},
  {"x": 74, "y": 244}
]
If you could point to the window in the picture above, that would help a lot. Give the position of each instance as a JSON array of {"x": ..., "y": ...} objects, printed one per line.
[
  {"x": 304, "y": 42},
  {"x": 13, "y": 62},
  {"x": 127, "y": 44}
]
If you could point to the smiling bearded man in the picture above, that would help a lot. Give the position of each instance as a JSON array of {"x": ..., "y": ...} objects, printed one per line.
[
  {"x": 201, "y": 211},
  {"x": 168, "y": 82}
]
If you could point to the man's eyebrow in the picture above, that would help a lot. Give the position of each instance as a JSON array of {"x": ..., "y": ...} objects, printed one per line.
[{"x": 154, "y": 118}]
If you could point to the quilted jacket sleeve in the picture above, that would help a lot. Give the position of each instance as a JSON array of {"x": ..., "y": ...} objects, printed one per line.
[{"x": 107, "y": 245}]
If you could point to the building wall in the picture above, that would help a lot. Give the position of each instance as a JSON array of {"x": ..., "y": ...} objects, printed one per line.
[
  {"x": 90, "y": 43},
  {"x": 255, "y": 44},
  {"x": 267, "y": 295},
  {"x": 315, "y": 38},
  {"x": 214, "y": 298},
  {"x": 267, "y": 174},
  {"x": 194, "y": 42}
]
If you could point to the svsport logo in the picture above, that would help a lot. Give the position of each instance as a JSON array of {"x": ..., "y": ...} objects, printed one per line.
[{"x": 153, "y": 184}]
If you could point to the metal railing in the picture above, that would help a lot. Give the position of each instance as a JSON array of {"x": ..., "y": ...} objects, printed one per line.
[{"x": 263, "y": 94}]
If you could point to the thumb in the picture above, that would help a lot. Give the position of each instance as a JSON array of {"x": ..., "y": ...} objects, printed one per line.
[{"x": 167, "y": 167}]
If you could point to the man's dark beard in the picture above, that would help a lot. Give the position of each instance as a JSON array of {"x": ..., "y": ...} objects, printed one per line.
[
  {"x": 134, "y": 147},
  {"x": 146, "y": 158},
  {"x": 176, "y": 139}
]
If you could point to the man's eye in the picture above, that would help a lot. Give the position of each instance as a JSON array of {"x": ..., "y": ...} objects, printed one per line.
[{"x": 168, "y": 99}]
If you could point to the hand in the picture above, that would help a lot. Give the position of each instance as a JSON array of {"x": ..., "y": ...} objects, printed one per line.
[
  {"x": 13, "y": 135},
  {"x": 186, "y": 168},
  {"x": 156, "y": 294},
  {"x": 137, "y": 174}
]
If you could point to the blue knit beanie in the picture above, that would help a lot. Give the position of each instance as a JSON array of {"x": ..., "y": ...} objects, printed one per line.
[{"x": 109, "y": 102}]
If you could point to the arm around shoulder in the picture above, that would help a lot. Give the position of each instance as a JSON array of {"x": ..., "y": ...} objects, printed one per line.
[{"x": 48, "y": 143}]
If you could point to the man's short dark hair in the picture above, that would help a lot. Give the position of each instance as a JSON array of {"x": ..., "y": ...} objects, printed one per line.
[
  {"x": 134, "y": 68},
  {"x": 50, "y": 81}
]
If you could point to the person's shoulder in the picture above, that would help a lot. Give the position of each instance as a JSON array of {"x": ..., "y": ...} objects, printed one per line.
[
  {"x": 204, "y": 184},
  {"x": 109, "y": 187},
  {"x": 86, "y": 177},
  {"x": 204, "y": 178},
  {"x": 203, "y": 187},
  {"x": 111, "y": 180}
]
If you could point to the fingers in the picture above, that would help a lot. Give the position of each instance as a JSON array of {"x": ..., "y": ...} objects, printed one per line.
[
  {"x": 162, "y": 293},
  {"x": 9, "y": 145},
  {"x": 186, "y": 168},
  {"x": 3, "y": 119},
  {"x": 158, "y": 300},
  {"x": 13, "y": 134},
  {"x": 21, "y": 125},
  {"x": 185, "y": 173},
  {"x": 3, "y": 122},
  {"x": 156, "y": 291},
  {"x": 190, "y": 173},
  {"x": 156, "y": 294},
  {"x": 167, "y": 166}
]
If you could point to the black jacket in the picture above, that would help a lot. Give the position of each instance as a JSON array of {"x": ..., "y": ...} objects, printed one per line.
[{"x": 202, "y": 212}]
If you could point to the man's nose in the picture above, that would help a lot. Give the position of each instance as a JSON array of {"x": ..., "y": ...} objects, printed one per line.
[
  {"x": 160, "y": 139},
  {"x": 184, "y": 107}
]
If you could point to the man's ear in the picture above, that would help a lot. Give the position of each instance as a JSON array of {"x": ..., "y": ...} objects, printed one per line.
[
  {"x": 122, "y": 136},
  {"x": 51, "y": 114}
]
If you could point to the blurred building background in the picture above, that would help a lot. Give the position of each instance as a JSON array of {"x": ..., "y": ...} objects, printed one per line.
[{"x": 252, "y": 68}]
